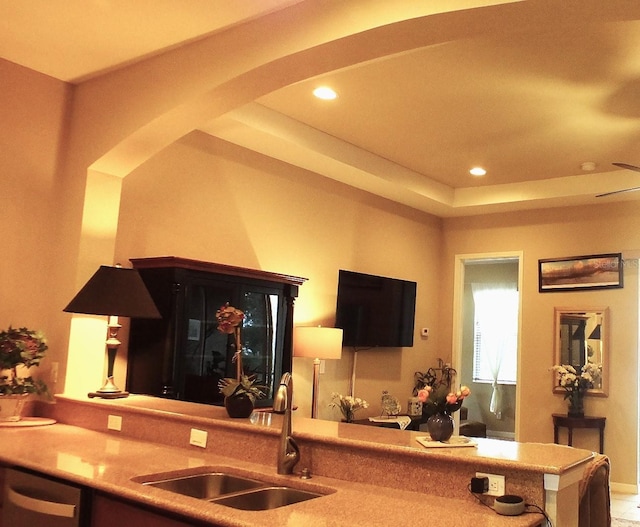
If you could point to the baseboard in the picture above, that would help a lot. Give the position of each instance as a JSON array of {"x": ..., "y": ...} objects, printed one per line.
[{"x": 624, "y": 488}]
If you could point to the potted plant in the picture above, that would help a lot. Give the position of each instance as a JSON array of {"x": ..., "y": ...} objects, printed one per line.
[
  {"x": 240, "y": 396},
  {"x": 576, "y": 384},
  {"x": 20, "y": 349},
  {"x": 439, "y": 401}
]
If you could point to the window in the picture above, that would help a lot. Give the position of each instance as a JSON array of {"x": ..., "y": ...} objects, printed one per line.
[{"x": 495, "y": 338}]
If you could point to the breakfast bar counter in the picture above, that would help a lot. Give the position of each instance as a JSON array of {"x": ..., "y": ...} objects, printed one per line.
[{"x": 369, "y": 476}]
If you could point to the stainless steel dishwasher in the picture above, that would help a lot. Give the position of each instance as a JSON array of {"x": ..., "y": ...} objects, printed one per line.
[{"x": 32, "y": 500}]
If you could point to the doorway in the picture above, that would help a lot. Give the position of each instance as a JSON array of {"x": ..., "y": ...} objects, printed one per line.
[{"x": 486, "y": 338}]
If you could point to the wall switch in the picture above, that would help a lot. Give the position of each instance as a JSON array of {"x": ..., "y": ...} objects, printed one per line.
[
  {"x": 496, "y": 483},
  {"x": 114, "y": 422},
  {"x": 424, "y": 332},
  {"x": 198, "y": 438}
]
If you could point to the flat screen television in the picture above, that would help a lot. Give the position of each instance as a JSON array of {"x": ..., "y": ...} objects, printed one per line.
[{"x": 375, "y": 311}]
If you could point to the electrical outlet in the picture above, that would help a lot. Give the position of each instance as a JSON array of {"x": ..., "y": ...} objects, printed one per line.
[
  {"x": 198, "y": 438},
  {"x": 496, "y": 483},
  {"x": 114, "y": 422}
]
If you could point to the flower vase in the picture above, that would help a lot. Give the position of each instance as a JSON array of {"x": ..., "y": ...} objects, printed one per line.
[
  {"x": 238, "y": 405},
  {"x": 349, "y": 416},
  {"x": 440, "y": 426},
  {"x": 576, "y": 405},
  {"x": 11, "y": 406}
]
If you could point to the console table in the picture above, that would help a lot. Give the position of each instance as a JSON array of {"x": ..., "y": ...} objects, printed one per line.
[{"x": 578, "y": 422}]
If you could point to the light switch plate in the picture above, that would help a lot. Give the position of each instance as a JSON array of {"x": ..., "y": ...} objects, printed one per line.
[{"x": 198, "y": 438}]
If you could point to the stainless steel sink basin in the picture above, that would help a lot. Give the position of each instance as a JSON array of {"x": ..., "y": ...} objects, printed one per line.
[
  {"x": 216, "y": 485},
  {"x": 266, "y": 498},
  {"x": 206, "y": 486}
]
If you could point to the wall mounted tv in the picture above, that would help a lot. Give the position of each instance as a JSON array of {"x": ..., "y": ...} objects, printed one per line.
[{"x": 375, "y": 311}]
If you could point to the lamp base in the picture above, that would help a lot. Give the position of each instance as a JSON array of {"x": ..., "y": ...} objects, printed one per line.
[
  {"x": 109, "y": 391},
  {"x": 108, "y": 395}
]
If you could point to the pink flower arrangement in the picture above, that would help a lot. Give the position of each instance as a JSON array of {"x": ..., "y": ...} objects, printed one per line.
[
  {"x": 440, "y": 399},
  {"x": 434, "y": 391}
]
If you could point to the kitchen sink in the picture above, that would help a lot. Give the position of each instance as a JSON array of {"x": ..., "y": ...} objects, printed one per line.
[
  {"x": 267, "y": 498},
  {"x": 232, "y": 490},
  {"x": 206, "y": 486}
]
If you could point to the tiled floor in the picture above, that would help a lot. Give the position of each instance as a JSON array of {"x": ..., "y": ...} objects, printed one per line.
[{"x": 625, "y": 506}]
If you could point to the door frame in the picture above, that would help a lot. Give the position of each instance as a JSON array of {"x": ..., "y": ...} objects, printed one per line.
[{"x": 458, "y": 297}]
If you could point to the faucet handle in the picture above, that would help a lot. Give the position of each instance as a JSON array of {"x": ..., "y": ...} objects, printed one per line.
[{"x": 290, "y": 458}]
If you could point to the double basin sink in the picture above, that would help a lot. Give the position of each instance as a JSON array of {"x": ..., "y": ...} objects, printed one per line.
[{"x": 232, "y": 490}]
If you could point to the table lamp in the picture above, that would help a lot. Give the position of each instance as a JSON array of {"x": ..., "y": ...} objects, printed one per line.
[
  {"x": 320, "y": 343},
  {"x": 113, "y": 291}
]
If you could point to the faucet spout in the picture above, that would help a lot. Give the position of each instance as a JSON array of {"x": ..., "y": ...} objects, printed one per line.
[{"x": 288, "y": 451}]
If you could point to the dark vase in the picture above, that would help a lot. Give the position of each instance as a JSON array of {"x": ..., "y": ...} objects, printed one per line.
[
  {"x": 576, "y": 405},
  {"x": 238, "y": 405},
  {"x": 440, "y": 426}
]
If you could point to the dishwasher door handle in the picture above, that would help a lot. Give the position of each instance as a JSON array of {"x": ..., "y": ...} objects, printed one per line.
[{"x": 51, "y": 508}]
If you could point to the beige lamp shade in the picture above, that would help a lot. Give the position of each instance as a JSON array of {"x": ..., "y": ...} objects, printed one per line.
[{"x": 317, "y": 342}]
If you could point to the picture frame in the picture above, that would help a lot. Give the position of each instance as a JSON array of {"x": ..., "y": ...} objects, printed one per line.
[{"x": 597, "y": 271}]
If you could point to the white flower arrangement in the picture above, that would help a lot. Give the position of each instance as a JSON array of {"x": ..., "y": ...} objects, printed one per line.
[
  {"x": 347, "y": 405},
  {"x": 571, "y": 381},
  {"x": 576, "y": 385}
]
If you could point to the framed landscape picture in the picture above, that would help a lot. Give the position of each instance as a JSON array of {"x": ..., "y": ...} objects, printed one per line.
[{"x": 598, "y": 271}]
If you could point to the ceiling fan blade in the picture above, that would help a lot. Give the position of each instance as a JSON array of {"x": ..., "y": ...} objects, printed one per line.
[
  {"x": 617, "y": 192},
  {"x": 627, "y": 166}
]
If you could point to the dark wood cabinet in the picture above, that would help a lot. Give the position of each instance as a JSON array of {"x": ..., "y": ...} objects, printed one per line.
[
  {"x": 183, "y": 355},
  {"x": 108, "y": 511}
]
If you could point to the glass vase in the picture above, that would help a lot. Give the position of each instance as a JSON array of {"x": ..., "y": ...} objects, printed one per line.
[
  {"x": 576, "y": 405},
  {"x": 440, "y": 426},
  {"x": 11, "y": 406}
]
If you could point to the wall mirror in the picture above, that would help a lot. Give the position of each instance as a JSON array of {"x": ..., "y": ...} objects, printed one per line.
[{"x": 581, "y": 337}]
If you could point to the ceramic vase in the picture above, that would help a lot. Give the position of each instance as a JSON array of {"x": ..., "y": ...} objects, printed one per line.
[
  {"x": 238, "y": 405},
  {"x": 440, "y": 426},
  {"x": 11, "y": 406}
]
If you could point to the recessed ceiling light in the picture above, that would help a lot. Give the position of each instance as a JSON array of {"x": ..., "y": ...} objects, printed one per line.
[
  {"x": 477, "y": 171},
  {"x": 588, "y": 166},
  {"x": 325, "y": 93}
]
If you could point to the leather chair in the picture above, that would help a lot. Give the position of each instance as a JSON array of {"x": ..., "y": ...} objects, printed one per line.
[{"x": 595, "y": 496}]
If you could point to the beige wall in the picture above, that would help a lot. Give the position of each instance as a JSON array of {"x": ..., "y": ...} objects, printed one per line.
[
  {"x": 557, "y": 233},
  {"x": 206, "y": 199},
  {"x": 33, "y": 113}
]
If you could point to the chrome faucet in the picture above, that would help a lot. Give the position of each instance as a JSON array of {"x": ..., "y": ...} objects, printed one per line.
[{"x": 288, "y": 451}]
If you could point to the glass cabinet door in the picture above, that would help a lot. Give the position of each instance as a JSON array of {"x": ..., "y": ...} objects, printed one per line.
[
  {"x": 203, "y": 357},
  {"x": 206, "y": 355},
  {"x": 262, "y": 338}
]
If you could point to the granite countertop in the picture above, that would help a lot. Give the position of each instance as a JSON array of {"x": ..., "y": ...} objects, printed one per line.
[
  {"x": 108, "y": 462},
  {"x": 543, "y": 458}
]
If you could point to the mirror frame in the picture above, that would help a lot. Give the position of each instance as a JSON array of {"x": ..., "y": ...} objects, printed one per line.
[{"x": 604, "y": 337}]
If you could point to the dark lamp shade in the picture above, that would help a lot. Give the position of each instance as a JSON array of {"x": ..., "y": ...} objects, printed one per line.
[{"x": 114, "y": 291}]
